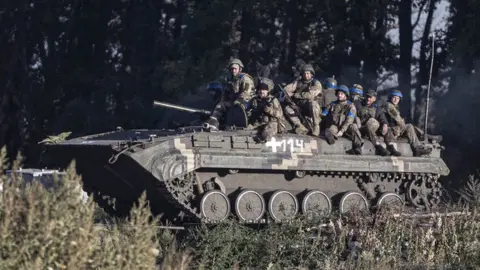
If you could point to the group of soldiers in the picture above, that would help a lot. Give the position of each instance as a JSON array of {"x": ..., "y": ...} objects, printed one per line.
[{"x": 310, "y": 106}]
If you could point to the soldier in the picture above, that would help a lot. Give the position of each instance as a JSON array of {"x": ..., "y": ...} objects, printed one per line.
[
  {"x": 371, "y": 118},
  {"x": 239, "y": 90},
  {"x": 340, "y": 116},
  {"x": 398, "y": 128},
  {"x": 305, "y": 97},
  {"x": 356, "y": 93},
  {"x": 267, "y": 114},
  {"x": 329, "y": 95}
]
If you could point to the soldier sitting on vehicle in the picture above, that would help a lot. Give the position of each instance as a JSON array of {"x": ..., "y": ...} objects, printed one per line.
[
  {"x": 340, "y": 116},
  {"x": 239, "y": 90},
  {"x": 305, "y": 98},
  {"x": 398, "y": 128},
  {"x": 371, "y": 118},
  {"x": 266, "y": 114}
]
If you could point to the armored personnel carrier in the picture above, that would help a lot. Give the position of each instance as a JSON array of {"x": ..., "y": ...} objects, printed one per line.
[{"x": 191, "y": 174}]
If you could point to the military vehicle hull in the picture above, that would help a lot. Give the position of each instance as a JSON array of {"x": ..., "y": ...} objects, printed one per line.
[{"x": 191, "y": 175}]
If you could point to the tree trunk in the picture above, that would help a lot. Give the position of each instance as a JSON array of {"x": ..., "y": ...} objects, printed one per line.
[
  {"x": 424, "y": 69},
  {"x": 406, "y": 44}
]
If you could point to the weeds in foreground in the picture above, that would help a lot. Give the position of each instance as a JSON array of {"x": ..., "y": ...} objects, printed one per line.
[{"x": 51, "y": 229}]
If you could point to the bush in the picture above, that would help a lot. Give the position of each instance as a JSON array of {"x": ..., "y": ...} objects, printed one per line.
[
  {"x": 41, "y": 229},
  {"x": 45, "y": 229}
]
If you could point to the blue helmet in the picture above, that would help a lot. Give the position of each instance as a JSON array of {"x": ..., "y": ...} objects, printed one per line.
[
  {"x": 215, "y": 86},
  {"x": 357, "y": 89},
  {"x": 330, "y": 83},
  {"x": 344, "y": 89},
  {"x": 396, "y": 93}
]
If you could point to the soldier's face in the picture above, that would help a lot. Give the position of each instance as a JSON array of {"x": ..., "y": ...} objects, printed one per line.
[
  {"x": 341, "y": 96},
  {"x": 235, "y": 69},
  {"x": 307, "y": 75},
  {"x": 263, "y": 93},
  {"x": 395, "y": 100},
  {"x": 371, "y": 100}
]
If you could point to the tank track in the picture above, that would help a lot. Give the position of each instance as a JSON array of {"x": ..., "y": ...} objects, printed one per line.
[{"x": 419, "y": 191}]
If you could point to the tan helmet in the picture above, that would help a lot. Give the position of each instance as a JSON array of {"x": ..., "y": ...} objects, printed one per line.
[
  {"x": 308, "y": 67},
  {"x": 237, "y": 62}
]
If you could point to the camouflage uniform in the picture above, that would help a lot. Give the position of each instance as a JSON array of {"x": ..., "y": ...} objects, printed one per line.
[
  {"x": 398, "y": 128},
  {"x": 340, "y": 118},
  {"x": 370, "y": 118},
  {"x": 267, "y": 117},
  {"x": 305, "y": 97},
  {"x": 239, "y": 90}
]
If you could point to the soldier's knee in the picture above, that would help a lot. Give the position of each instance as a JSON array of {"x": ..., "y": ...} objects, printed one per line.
[
  {"x": 409, "y": 128},
  {"x": 372, "y": 124}
]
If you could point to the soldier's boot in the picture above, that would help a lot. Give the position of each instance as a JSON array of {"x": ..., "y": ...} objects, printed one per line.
[
  {"x": 316, "y": 130},
  {"x": 329, "y": 137},
  {"x": 211, "y": 123},
  {"x": 381, "y": 150},
  {"x": 393, "y": 151},
  {"x": 356, "y": 150},
  {"x": 420, "y": 151}
]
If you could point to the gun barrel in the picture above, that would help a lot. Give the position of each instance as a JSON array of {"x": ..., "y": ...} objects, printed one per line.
[{"x": 180, "y": 108}]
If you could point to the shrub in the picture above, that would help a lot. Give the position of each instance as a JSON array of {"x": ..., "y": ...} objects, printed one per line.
[{"x": 43, "y": 229}]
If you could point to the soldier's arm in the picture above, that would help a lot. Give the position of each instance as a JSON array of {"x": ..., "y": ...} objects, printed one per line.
[
  {"x": 245, "y": 89},
  {"x": 395, "y": 115},
  {"x": 351, "y": 114},
  {"x": 381, "y": 117},
  {"x": 274, "y": 109},
  {"x": 314, "y": 90},
  {"x": 325, "y": 110}
]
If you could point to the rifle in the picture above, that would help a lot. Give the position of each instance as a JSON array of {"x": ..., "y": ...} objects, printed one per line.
[
  {"x": 295, "y": 108},
  {"x": 181, "y": 108}
]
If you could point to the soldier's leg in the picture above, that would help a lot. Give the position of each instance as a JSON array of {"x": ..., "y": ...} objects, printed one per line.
[
  {"x": 218, "y": 112},
  {"x": 299, "y": 128},
  {"x": 357, "y": 142},
  {"x": 370, "y": 129},
  {"x": 332, "y": 129},
  {"x": 389, "y": 139},
  {"x": 316, "y": 111},
  {"x": 418, "y": 150},
  {"x": 268, "y": 130}
]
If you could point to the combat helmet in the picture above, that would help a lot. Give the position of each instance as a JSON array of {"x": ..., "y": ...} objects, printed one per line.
[
  {"x": 236, "y": 61},
  {"x": 308, "y": 67},
  {"x": 357, "y": 89},
  {"x": 395, "y": 93},
  {"x": 371, "y": 93},
  {"x": 344, "y": 89},
  {"x": 330, "y": 83}
]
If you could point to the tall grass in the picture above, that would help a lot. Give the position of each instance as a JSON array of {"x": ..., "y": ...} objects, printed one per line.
[{"x": 45, "y": 229}]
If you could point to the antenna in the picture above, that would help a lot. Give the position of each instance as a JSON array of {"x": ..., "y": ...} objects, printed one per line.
[{"x": 428, "y": 88}]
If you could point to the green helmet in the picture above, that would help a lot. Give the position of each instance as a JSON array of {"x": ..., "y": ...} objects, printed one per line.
[
  {"x": 236, "y": 61},
  {"x": 308, "y": 67}
]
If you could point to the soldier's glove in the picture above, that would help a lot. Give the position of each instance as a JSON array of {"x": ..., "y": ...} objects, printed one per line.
[
  {"x": 338, "y": 135},
  {"x": 384, "y": 129}
]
